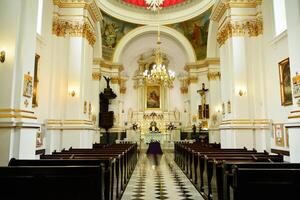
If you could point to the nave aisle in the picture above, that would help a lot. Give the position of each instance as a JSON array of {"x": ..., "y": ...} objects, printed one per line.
[{"x": 158, "y": 177}]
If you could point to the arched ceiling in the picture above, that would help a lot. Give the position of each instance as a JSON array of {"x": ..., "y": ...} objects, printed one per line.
[
  {"x": 174, "y": 51},
  {"x": 140, "y": 15}
]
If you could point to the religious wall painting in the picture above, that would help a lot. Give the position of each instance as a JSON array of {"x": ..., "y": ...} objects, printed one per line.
[
  {"x": 196, "y": 31},
  {"x": 296, "y": 88},
  {"x": 28, "y": 85},
  {"x": 153, "y": 97},
  {"x": 39, "y": 139},
  {"x": 279, "y": 135},
  {"x": 285, "y": 83},
  {"x": 35, "y": 96},
  {"x": 112, "y": 30}
]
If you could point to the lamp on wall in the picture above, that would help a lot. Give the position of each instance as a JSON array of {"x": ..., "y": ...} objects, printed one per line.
[
  {"x": 2, "y": 56},
  {"x": 73, "y": 92},
  {"x": 241, "y": 91}
]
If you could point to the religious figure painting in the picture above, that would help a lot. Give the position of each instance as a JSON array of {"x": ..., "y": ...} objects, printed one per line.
[
  {"x": 153, "y": 97},
  {"x": 28, "y": 86},
  {"x": 285, "y": 83},
  {"x": 279, "y": 138},
  {"x": 196, "y": 31}
]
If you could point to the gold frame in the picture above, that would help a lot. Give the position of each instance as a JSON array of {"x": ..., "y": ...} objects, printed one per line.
[
  {"x": 279, "y": 141},
  {"x": 146, "y": 96},
  {"x": 35, "y": 92},
  {"x": 283, "y": 64},
  {"x": 28, "y": 86}
]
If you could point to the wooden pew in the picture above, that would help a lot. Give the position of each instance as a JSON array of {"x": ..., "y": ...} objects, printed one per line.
[
  {"x": 54, "y": 182},
  {"x": 214, "y": 175},
  {"x": 277, "y": 180}
]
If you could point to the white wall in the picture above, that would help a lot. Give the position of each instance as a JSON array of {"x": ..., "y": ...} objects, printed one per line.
[{"x": 275, "y": 49}]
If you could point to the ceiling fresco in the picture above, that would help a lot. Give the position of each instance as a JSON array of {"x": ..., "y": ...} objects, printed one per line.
[
  {"x": 195, "y": 30},
  {"x": 142, "y": 3}
]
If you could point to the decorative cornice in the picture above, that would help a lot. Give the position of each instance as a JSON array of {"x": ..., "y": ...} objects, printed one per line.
[
  {"x": 202, "y": 63},
  {"x": 192, "y": 79},
  {"x": 213, "y": 75},
  {"x": 222, "y": 5},
  {"x": 251, "y": 28},
  {"x": 184, "y": 90},
  {"x": 108, "y": 64},
  {"x": 10, "y": 113},
  {"x": 115, "y": 80},
  {"x": 96, "y": 76},
  {"x": 246, "y": 124},
  {"x": 63, "y": 28},
  {"x": 89, "y": 5}
]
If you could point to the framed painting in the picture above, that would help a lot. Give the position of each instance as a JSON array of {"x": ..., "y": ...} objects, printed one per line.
[
  {"x": 36, "y": 81},
  {"x": 287, "y": 144},
  {"x": 27, "y": 88},
  {"x": 279, "y": 138},
  {"x": 285, "y": 83},
  {"x": 153, "y": 97}
]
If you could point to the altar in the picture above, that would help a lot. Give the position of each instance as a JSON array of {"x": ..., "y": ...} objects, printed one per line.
[{"x": 152, "y": 136}]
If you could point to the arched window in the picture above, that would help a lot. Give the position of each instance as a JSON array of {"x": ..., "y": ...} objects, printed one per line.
[
  {"x": 279, "y": 16},
  {"x": 39, "y": 17}
]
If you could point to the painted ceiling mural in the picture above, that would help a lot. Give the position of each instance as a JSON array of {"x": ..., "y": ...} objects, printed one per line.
[
  {"x": 112, "y": 30},
  {"x": 142, "y": 3},
  {"x": 195, "y": 30}
]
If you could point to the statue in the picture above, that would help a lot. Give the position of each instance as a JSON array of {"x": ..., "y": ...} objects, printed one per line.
[
  {"x": 107, "y": 81},
  {"x": 203, "y": 108}
]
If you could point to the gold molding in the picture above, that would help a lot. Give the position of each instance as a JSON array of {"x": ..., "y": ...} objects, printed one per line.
[
  {"x": 246, "y": 122},
  {"x": 213, "y": 75},
  {"x": 202, "y": 63},
  {"x": 115, "y": 80},
  {"x": 251, "y": 28},
  {"x": 96, "y": 76},
  {"x": 222, "y": 6},
  {"x": 17, "y": 116},
  {"x": 192, "y": 79},
  {"x": 294, "y": 117},
  {"x": 63, "y": 28},
  {"x": 68, "y": 122},
  {"x": 108, "y": 64},
  {"x": 15, "y": 110},
  {"x": 184, "y": 90},
  {"x": 91, "y": 7}
]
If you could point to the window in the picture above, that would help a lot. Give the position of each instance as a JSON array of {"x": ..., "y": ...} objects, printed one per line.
[
  {"x": 279, "y": 16},
  {"x": 39, "y": 17}
]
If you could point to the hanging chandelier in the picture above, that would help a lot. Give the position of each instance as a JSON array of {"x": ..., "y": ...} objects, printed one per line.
[{"x": 158, "y": 73}]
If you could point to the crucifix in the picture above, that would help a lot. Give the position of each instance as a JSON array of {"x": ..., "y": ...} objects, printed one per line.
[{"x": 203, "y": 110}]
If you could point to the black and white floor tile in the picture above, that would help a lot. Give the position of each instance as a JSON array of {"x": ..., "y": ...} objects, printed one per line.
[{"x": 158, "y": 177}]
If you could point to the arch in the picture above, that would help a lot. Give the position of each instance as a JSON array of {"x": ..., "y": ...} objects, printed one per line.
[
  {"x": 172, "y": 33},
  {"x": 140, "y": 15},
  {"x": 213, "y": 50}
]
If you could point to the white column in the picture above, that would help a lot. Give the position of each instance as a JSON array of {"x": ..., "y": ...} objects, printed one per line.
[
  {"x": 18, "y": 125},
  {"x": 244, "y": 121}
]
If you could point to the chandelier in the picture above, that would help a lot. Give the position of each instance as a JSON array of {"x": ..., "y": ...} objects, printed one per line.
[{"x": 158, "y": 73}]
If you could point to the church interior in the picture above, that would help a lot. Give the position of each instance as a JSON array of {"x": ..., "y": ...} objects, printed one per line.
[{"x": 149, "y": 99}]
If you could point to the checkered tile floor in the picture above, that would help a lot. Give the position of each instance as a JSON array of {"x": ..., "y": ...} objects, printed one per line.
[{"x": 158, "y": 177}]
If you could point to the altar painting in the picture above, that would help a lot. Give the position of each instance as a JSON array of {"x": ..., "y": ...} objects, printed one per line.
[{"x": 153, "y": 97}]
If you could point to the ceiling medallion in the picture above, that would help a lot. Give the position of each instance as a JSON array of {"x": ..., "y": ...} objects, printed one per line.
[{"x": 154, "y": 5}]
